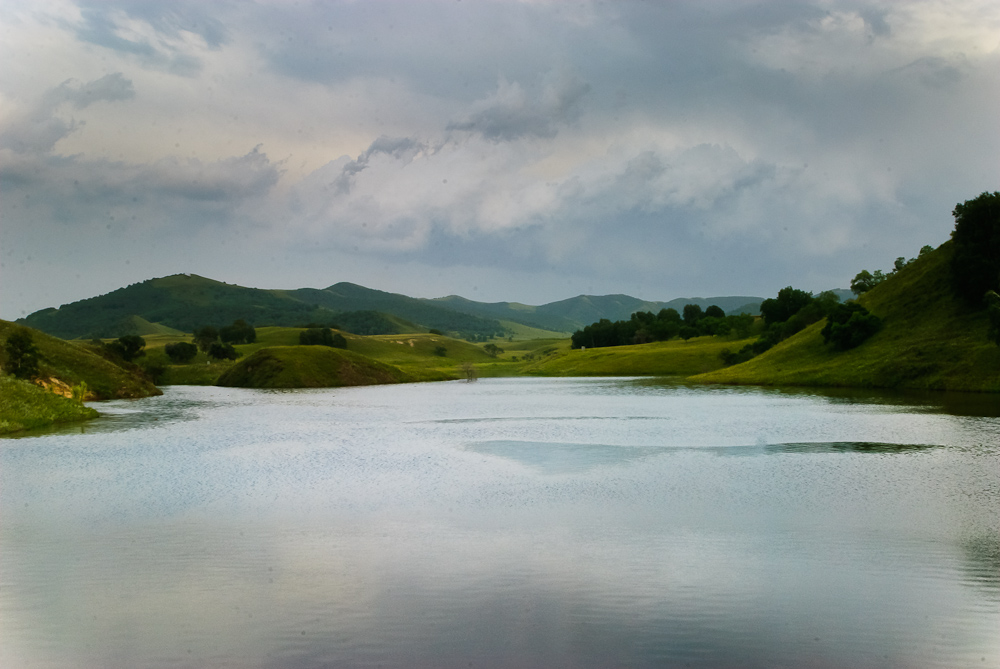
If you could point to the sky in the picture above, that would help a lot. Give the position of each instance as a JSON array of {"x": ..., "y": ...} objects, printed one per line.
[{"x": 500, "y": 150}]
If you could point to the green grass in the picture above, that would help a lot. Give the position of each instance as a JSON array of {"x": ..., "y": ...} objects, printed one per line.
[
  {"x": 668, "y": 358},
  {"x": 73, "y": 362},
  {"x": 25, "y": 406},
  {"x": 309, "y": 367},
  {"x": 929, "y": 340}
]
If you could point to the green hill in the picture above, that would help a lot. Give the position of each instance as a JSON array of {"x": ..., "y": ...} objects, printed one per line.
[
  {"x": 183, "y": 302},
  {"x": 929, "y": 340},
  {"x": 65, "y": 364},
  {"x": 308, "y": 367},
  {"x": 25, "y": 406},
  {"x": 567, "y": 316}
]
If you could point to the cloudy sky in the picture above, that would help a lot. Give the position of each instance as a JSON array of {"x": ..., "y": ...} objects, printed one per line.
[{"x": 525, "y": 151}]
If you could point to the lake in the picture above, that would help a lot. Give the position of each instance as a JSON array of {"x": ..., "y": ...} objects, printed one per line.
[{"x": 507, "y": 523}]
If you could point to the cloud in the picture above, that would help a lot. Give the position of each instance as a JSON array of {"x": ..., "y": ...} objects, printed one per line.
[
  {"x": 166, "y": 36},
  {"x": 510, "y": 113},
  {"x": 39, "y": 128}
]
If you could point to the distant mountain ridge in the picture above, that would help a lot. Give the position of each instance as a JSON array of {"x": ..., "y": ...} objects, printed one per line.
[{"x": 187, "y": 301}]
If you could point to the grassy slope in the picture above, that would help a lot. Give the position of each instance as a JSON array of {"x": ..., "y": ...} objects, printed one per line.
[
  {"x": 669, "y": 358},
  {"x": 72, "y": 363},
  {"x": 928, "y": 341},
  {"x": 309, "y": 367},
  {"x": 24, "y": 406}
]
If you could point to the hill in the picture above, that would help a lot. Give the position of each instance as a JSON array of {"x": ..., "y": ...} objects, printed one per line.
[
  {"x": 183, "y": 302},
  {"x": 25, "y": 406},
  {"x": 308, "y": 367},
  {"x": 567, "y": 316},
  {"x": 929, "y": 340},
  {"x": 65, "y": 364}
]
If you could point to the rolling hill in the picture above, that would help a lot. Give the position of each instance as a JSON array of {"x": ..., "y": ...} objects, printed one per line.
[{"x": 183, "y": 302}]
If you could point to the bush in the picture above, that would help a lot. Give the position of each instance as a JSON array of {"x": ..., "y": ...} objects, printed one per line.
[
  {"x": 128, "y": 348},
  {"x": 849, "y": 325},
  {"x": 220, "y": 351},
  {"x": 181, "y": 352},
  {"x": 317, "y": 337}
]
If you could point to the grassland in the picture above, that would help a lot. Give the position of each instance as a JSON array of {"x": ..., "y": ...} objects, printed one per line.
[
  {"x": 309, "y": 367},
  {"x": 25, "y": 406},
  {"x": 669, "y": 358},
  {"x": 929, "y": 340}
]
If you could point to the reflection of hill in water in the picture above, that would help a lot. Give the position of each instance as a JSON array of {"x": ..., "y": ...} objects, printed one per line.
[
  {"x": 982, "y": 563},
  {"x": 564, "y": 458}
]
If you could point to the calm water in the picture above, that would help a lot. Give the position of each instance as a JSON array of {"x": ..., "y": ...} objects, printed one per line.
[{"x": 506, "y": 523}]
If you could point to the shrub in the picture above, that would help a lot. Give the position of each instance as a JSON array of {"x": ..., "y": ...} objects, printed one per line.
[
  {"x": 220, "y": 351},
  {"x": 849, "y": 325},
  {"x": 181, "y": 352}
]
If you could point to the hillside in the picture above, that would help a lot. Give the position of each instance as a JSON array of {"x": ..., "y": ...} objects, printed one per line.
[
  {"x": 25, "y": 406},
  {"x": 65, "y": 364},
  {"x": 929, "y": 340},
  {"x": 308, "y": 367}
]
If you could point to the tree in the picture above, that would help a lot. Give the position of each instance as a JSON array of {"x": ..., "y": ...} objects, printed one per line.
[
  {"x": 849, "y": 325},
  {"x": 317, "y": 337},
  {"x": 740, "y": 325},
  {"x": 692, "y": 314},
  {"x": 715, "y": 311},
  {"x": 975, "y": 265},
  {"x": 240, "y": 332},
  {"x": 22, "y": 354},
  {"x": 129, "y": 347},
  {"x": 220, "y": 351},
  {"x": 204, "y": 337},
  {"x": 492, "y": 350},
  {"x": 786, "y": 305},
  {"x": 338, "y": 341},
  {"x": 181, "y": 352}
]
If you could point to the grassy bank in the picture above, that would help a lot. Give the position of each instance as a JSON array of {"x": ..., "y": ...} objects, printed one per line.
[
  {"x": 65, "y": 364},
  {"x": 25, "y": 406},
  {"x": 309, "y": 367},
  {"x": 929, "y": 340},
  {"x": 668, "y": 358}
]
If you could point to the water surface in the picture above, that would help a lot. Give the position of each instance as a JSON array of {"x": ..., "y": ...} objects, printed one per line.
[{"x": 506, "y": 523}]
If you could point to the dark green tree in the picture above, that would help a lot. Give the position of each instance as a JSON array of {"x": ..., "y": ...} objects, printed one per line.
[
  {"x": 204, "y": 337},
  {"x": 849, "y": 325},
  {"x": 975, "y": 266},
  {"x": 339, "y": 341},
  {"x": 22, "y": 354},
  {"x": 786, "y": 305},
  {"x": 220, "y": 351},
  {"x": 129, "y": 347},
  {"x": 492, "y": 350},
  {"x": 316, "y": 337},
  {"x": 692, "y": 314},
  {"x": 240, "y": 332},
  {"x": 715, "y": 311},
  {"x": 181, "y": 352}
]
